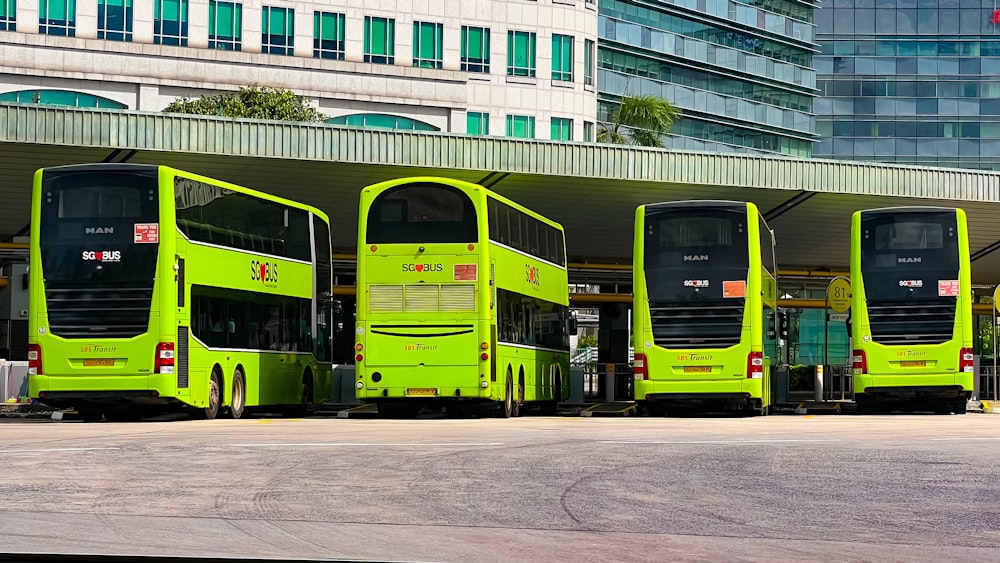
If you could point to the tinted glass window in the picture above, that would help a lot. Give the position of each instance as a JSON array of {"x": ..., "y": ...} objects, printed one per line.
[
  {"x": 690, "y": 251},
  {"x": 518, "y": 230},
  {"x": 226, "y": 318},
  {"x": 211, "y": 214},
  {"x": 906, "y": 254},
  {"x": 767, "y": 246},
  {"x": 422, "y": 213},
  {"x": 530, "y": 321}
]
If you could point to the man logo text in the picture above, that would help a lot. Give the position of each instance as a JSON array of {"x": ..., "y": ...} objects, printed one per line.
[{"x": 695, "y": 257}]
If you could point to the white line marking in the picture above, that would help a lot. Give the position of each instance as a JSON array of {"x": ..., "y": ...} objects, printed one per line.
[
  {"x": 366, "y": 445},
  {"x": 710, "y": 441},
  {"x": 54, "y": 450},
  {"x": 963, "y": 438}
]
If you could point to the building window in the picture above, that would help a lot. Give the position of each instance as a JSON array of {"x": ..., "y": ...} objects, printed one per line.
[
  {"x": 380, "y": 40},
  {"x": 477, "y": 123},
  {"x": 588, "y": 131},
  {"x": 521, "y": 53},
  {"x": 382, "y": 121},
  {"x": 428, "y": 48},
  {"x": 562, "y": 129},
  {"x": 8, "y": 13},
  {"x": 61, "y": 98},
  {"x": 114, "y": 20},
  {"x": 277, "y": 30},
  {"x": 328, "y": 35},
  {"x": 521, "y": 126},
  {"x": 588, "y": 62},
  {"x": 57, "y": 17},
  {"x": 476, "y": 49},
  {"x": 225, "y": 25},
  {"x": 170, "y": 22},
  {"x": 562, "y": 57}
]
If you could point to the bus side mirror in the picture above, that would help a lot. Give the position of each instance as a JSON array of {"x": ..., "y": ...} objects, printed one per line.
[
  {"x": 573, "y": 325},
  {"x": 783, "y": 325},
  {"x": 338, "y": 316}
]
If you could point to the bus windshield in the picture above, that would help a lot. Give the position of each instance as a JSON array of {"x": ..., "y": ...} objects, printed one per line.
[
  {"x": 422, "y": 213},
  {"x": 691, "y": 252},
  {"x": 99, "y": 250},
  {"x": 906, "y": 256}
]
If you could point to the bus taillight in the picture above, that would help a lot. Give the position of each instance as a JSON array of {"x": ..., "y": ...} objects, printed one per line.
[
  {"x": 755, "y": 365},
  {"x": 164, "y": 358},
  {"x": 965, "y": 361},
  {"x": 639, "y": 369},
  {"x": 34, "y": 359},
  {"x": 860, "y": 362}
]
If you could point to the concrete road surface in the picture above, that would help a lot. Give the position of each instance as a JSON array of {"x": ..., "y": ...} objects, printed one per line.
[{"x": 781, "y": 488}]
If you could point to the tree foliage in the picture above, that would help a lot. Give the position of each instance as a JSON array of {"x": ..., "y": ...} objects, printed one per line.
[
  {"x": 254, "y": 102},
  {"x": 640, "y": 120}
]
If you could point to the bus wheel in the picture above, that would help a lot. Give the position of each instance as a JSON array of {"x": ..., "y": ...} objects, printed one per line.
[
  {"x": 519, "y": 403},
  {"x": 302, "y": 409},
  {"x": 549, "y": 408},
  {"x": 90, "y": 413},
  {"x": 656, "y": 408},
  {"x": 239, "y": 398},
  {"x": 961, "y": 405},
  {"x": 214, "y": 394},
  {"x": 507, "y": 405}
]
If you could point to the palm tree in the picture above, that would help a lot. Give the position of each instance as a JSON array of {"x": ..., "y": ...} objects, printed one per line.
[{"x": 640, "y": 120}]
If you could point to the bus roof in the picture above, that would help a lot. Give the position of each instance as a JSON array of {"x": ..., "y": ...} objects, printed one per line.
[
  {"x": 154, "y": 168},
  {"x": 701, "y": 203},
  {"x": 381, "y": 186}
]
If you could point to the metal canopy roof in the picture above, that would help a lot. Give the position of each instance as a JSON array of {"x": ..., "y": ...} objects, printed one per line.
[{"x": 591, "y": 189}]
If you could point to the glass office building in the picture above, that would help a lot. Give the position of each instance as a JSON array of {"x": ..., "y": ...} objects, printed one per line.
[
  {"x": 740, "y": 71},
  {"x": 910, "y": 82}
]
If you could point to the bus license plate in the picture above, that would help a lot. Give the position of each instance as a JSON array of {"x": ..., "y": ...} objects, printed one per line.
[
  {"x": 422, "y": 392},
  {"x": 913, "y": 364},
  {"x": 697, "y": 369},
  {"x": 99, "y": 362}
]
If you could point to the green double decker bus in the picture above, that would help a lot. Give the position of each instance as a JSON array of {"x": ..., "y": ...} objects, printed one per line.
[
  {"x": 911, "y": 309},
  {"x": 463, "y": 301},
  {"x": 704, "y": 322},
  {"x": 153, "y": 288}
]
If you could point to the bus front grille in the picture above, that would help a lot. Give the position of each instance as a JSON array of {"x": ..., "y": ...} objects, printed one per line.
[
  {"x": 421, "y": 298},
  {"x": 912, "y": 322},
  {"x": 105, "y": 312},
  {"x": 697, "y": 325}
]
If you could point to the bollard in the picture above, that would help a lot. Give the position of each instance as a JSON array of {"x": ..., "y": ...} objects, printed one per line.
[
  {"x": 819, "y": 384},
  {"x": 609, "y": 383}
]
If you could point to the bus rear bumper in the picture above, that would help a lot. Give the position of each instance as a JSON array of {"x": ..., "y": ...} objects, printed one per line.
[
  {"x": 727, "y": 390},
  {"x": 942, "y": 386},
  {"x": 67, "y": 390}
]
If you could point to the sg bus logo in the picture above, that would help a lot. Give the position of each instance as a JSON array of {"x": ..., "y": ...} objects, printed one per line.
[
  {"x": 423, "y": 268},
  {"x": 103, "y": 255},
  {"x": 531, "y": 275},
  {"x": 264, "y": 272}
]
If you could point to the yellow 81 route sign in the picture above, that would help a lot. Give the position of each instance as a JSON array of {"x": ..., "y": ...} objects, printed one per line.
[{"x": 838, "y": 294}]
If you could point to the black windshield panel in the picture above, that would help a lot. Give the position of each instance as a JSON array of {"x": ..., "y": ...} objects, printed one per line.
[
  {"x": 691, "y": 251},
  {"x": 422, "y": 213},
  {"x": 909, "y": 256},
  {"x": 99, "y": 234}
]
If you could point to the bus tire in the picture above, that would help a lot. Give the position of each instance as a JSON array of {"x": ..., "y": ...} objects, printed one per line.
[
  {"x": 238, "y": 400},
  {"x": 549, "y": 408},
  {"x": 961, "y": 405},
  {"x": 214, "y": 397},
  {"x": 90, "y": 413},
  {"x": 507, "y": 405},
  {"x": 302, "y": 409},
  {"x": 519, "y": 398}
]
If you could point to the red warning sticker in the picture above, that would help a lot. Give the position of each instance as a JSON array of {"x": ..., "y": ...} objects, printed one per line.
[
  {"x": 734, "y": 288},
  {"x": 465, "y": 272},
  {"x": 948, "y": 288},
  {"x": 146, "y": 233}
]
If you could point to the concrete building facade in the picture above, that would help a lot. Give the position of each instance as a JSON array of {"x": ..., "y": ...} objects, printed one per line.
[{"x": 518, "y": 68}]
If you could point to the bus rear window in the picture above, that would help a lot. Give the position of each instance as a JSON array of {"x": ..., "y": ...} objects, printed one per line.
[
  {"x": 909, "y": 235},
  {"x": 422, "y": 213},
  {"x": 696, "y": 238}
]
